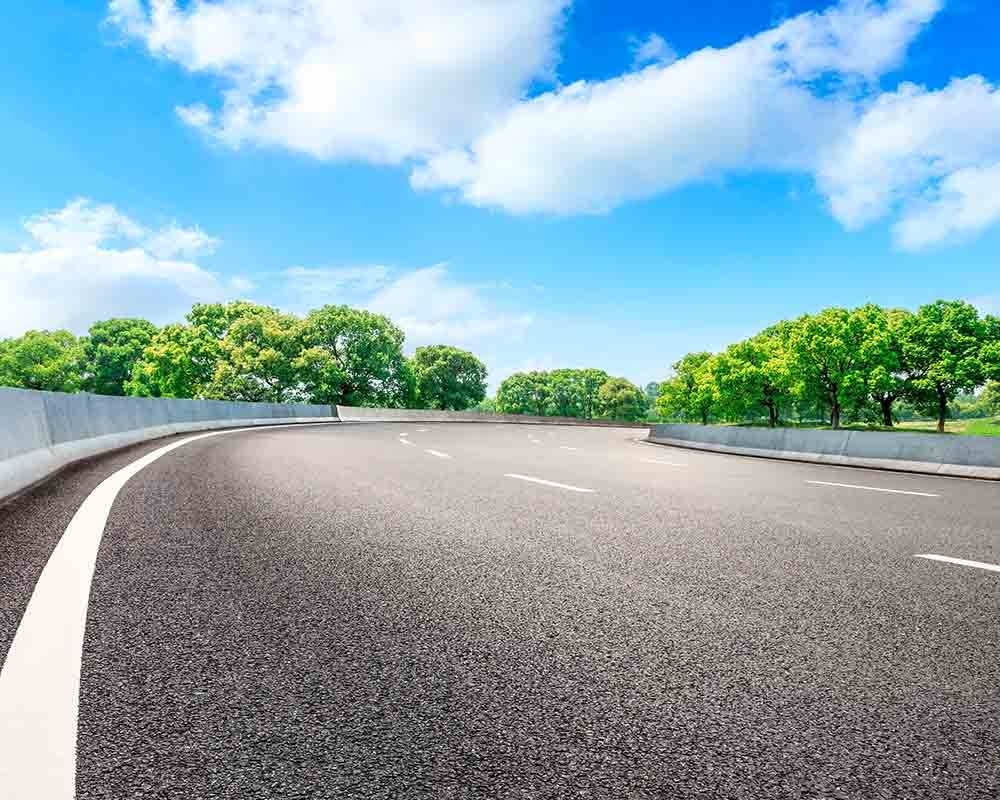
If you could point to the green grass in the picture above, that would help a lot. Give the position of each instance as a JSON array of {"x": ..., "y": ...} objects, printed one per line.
[{"x": 961, "y": 427}]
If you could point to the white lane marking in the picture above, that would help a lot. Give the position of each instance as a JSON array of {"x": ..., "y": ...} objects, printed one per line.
[
  {"x": 960, "y": 561},
  {"x": 661, "y": 461},
  {"x": 544, "y": 482},
  {"x": 406, "y": 441},
  {"x": 872, "y": 488},
  {"x": 437, "y": 453},
  {"x": 40, "y": 680},
  {"x": 403, "y": 435},
  {"x": 422, "y": 430},
  {"x": 565, "y": 447}
]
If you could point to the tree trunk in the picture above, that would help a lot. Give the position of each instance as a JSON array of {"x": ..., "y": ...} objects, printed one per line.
[
  {"x": 942, "y": 410},
  {"x": 886, "y": 403},
  {"x": 772, "y": 415},
  {"x": 835, "y": 415},
  {"x": 704, "y": 418}
]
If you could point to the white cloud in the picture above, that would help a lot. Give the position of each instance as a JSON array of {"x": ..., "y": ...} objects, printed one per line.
[
  {"x": 89, "y": 261},
  {"x": 431, "y": 307},
  {"x": 175, "y": 241},
  {"x": 653, "y": 49},
  {"x": 933, "y": 156},
  {"x": 767, "y": 102},
  {"x": 379, "y": 80}
]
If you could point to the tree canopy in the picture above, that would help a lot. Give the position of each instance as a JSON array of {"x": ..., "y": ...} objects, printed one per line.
[{"x": 448, "y": 378}]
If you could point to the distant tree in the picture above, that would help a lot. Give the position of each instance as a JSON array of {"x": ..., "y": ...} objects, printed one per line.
[
  {"x": 591, "y": 381},
  {"x": 448, "y": 378},
  {"x": 524, "y": 393},
  {"x": 566, "y": 393},
  {"x": 692, "y": 391},
  {"x": 256, "y": 359},
  {"x": 179, "y": 361},
  {"x": 827, "y": 354},
  {"x": 353, "y": 357},
  {"x": 111, "y": 351},
  {"x": 989, "y": 398},
  {"x": 45, "y": 360},
  {"x": 488, "y": 405},
  {"x": 945, "y": 348},
  {"x": 619, "y": 399},
  {"x": 882, "y": 357},
  {"x": 755, "y": 374}
]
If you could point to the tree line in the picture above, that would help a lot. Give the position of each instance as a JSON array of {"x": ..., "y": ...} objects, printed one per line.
[
  {"x": 250, "y": 352},
  {"x": 581, "y": 393},
  {"x": 858, "y": 365}
]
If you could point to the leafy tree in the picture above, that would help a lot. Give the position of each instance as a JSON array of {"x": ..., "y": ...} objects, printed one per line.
[
  {"x": 989, "y": 398},
  {"x": 46, "y": 360},
  {"x": 943, "y": 344},
  {"x": 353, "y": 357},
  {"x": 448, "y": 378},
  {"x": 488, "y": 405},
  {"x": 179, "y": 361},
  {"x": 257, "y": 358},
  {"x": 524, "y": 393},
  {"x": 591, "y": 381},
  {"x": 566, "y": 393},
  {"x": 111, "y": 351},
  {"x": 826, "y": 349},
  {"x": 692, "y": 391},
  {"x": 620, "y": 399},
  {"x": 755, "y": 374},
  {"x": 882, "y": 359}
]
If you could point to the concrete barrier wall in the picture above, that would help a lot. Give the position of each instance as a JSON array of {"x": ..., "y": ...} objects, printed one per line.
[
  {"x": 355, "y": 414},
  {"x": 962, "y": 456},
  {"x": 42, "y": 432}
]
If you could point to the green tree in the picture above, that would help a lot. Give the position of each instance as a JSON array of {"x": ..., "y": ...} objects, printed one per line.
[
  {"x": 754, "y": 375},
  {"x": 989, "y": 398},
  {"x": 46, "y": 360},
  {"x": 524, "y": 393},
  {"x": 111, "y": 351},
  {"x": 882, "y": 358},
  {"x": 827, "y": 354},
  {"x": 692, "y": 391},
  {"x": 620, "y": 399},
  {"x": 353, "y": 357},
  {"x": 591, "y": 381},
  {"x": 566, "y": 393},
  {"x": 179, "y": 361},
  {"x": 448, "y": 378},
  {"x": 256, "y": 358},
  {"x": 944, "y": 345}
]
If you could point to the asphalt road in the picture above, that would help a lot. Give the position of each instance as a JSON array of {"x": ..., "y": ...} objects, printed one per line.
[{"x": 328, "y": 612}]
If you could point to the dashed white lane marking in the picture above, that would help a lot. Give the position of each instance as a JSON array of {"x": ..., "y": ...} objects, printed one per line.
[
  {"x": 422, "y": 430},
  {"x": 544, "y": 482},
  {"x": 406, "y": 441},
  {"x": 40, "y": 680},
  {"x": 567, "y": 447},
  {"x": 403, "y": 435},
  {"x": 661, "y": 461},
  {"x": 872, "y": 488},
  {"x": 960, "y": 561},
  {"x": 437, "y": 454}
]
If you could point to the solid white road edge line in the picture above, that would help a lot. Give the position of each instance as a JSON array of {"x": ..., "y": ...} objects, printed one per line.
[
  {"x": 872, "y": 488},
  {"x": 437, "y": 453},
  {"x": 960, "y": 561},
  {"x": 544, "y": 482},
  {"x": 40, "y": 680}
]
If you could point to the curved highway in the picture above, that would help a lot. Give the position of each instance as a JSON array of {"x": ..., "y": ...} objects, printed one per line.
[{"x": 506, "y": 611}]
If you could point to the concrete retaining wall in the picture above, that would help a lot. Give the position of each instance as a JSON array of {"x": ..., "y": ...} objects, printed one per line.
[
  {"x": 42, "y": 432},
  {"x": 961, "y": 456},
  {"x": 354, "y": 414}
]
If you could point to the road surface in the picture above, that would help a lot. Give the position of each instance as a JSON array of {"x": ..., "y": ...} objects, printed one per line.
[{"x": 498, "y": 611}]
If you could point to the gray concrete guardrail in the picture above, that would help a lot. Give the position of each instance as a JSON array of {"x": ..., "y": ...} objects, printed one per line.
[
  {"x": 928, "y": 453},
  {"x": 42, "y": 432},
  {"x": 356, "y": 414}
]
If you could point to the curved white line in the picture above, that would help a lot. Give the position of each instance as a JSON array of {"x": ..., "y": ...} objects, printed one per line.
[{"x": 40, "y": 680}]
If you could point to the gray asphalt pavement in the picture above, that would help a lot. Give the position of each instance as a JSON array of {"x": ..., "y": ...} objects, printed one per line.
[{"x": 332, "y": 613}]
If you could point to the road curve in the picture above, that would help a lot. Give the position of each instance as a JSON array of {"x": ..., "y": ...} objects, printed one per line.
[{"x": 480, "y": 611}]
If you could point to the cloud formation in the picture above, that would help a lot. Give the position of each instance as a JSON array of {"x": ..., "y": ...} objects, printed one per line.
[
  {"x": 89, "y": 261},
  {"x": 450, "y": 89}
]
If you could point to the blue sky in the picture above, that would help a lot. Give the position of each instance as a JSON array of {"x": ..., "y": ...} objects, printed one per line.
[{"x": 548, "y": 183}]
